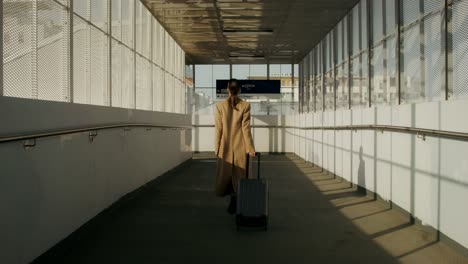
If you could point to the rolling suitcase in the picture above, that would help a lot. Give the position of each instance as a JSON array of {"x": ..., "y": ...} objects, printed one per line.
[{"x": 252, "y": 200}]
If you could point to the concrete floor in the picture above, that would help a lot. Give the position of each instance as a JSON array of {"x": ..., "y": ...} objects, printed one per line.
[{"x": 313, "y": 219}]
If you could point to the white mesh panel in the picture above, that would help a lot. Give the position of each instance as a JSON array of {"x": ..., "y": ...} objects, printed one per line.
[
  {"x": 116, "y": 16},
  {"x": 82, "y": 8},
  {"x": 168, "y": 93},
  {"x": 81, "y": 61},
  {"x": 364, "y": 37},
  {"x": 460, "y": 49},
  {"x": 19, "y": 50},
  {"x": 411, "y": 76},
  {"x": 390, "y": 16},
  {"x": 391, "y": 73},
  {"x": 99, "y": 68},
  {"x": 411, "y": 11},
  {"x": 433, "y": 58},
  {"x": 128, "y": 85},
  {"x": 355, "y": 31},
  {"x": 52, "y": 52},
  {"x": 364, "y": 79},
  {"x": 139, "y": 27},
  {"x": 99, "y": 14},
  {"x": 377, "y": 20},
  {"x": 355, "y": 83},
  {"x": 146, "y": 31},
  {"x": 143, "y": 84},
  {"x": 127, "y": 22},
  {"x": 116, "y": 74},
  {"x": 158, "y": 88},
  {"x": 379, "y": 89}
]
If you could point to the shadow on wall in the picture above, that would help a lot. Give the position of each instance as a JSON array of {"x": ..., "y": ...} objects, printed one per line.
[
  {"x": 361, "y": 172},
  {"x": 276, "y": 136}
]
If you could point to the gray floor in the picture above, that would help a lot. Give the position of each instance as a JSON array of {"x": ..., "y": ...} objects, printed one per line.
[{"x": 313, "y": 219}]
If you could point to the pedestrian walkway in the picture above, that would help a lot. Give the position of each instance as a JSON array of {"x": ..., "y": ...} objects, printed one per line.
[{"x": 314, "y": 218}]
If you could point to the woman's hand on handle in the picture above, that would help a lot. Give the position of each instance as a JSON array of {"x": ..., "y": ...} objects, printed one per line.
[{"x": 252, "y": 154}]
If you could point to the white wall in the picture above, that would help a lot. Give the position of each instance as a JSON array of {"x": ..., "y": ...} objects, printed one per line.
[
  {"x": 48, "y": 191},
  {"x": 265, "y": 139},
  {"x": 428, "y": 178}
]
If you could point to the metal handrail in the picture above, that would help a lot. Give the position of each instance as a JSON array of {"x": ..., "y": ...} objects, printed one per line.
[
  {"x": 20, "y": 137},
  {"x": 420, "y": 132}
]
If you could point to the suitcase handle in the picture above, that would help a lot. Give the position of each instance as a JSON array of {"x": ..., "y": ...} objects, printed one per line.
[{"x": 247, "y": 163}]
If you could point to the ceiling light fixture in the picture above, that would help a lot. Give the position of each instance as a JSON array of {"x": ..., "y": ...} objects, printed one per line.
[
  {"x": 247, "y": 57},
  {"x": 248, "y": 31}
]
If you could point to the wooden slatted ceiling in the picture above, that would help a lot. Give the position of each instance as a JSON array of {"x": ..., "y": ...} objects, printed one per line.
[{"x": 297, "y": 26}]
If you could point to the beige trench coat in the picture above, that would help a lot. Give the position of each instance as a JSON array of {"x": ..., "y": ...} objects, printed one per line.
[{"x": 233, "y": 139}]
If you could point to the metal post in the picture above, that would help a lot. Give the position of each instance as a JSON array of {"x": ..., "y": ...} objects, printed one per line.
[
  {"x": 1, "y": 48},
  {"x": 334, "y": 60},
  {"x": 268, "y": 71},
  {"x": 398, "y": 47},
  {"x": 348, "y": 53},
  {"x": 292, "y": 81},
  {"x": 134, "y": 56},
  {"x": 151, "y": 62},
  {"x": 163, "y": 109},
  {"x": 369, "y": 52},
  {"x": 448, "y": 50},
  {"x": 70, "y": 52},
  {"x": 323, "y": 48},
  {"x": 422, "y": 59},
  {"x": 34, "y": 88},
  {"x": 109, "y": 57}
]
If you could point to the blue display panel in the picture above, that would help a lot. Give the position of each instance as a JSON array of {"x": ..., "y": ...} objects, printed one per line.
[{"x": 251, "y": 86}]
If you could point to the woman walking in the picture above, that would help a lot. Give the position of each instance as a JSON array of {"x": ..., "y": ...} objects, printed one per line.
[{"x": 233, "y": 139}]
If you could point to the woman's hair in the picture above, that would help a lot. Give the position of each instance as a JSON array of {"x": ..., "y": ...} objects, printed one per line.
[{"x": 233, "y": 93}]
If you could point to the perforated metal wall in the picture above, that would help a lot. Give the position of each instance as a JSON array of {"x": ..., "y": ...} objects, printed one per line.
[
  {"x": 97, "y": 45},
  {"x": 418, "y": 54},
  {"x": 460, "y": 49}
]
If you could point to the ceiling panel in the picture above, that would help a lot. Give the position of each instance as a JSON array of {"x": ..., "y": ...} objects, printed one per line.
[{"x": 279, "y": 31}]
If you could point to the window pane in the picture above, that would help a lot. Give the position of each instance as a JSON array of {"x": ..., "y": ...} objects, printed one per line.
[
  {"x": 240, "y": 72},
  {"x": 220, "y": 72},
  {"x": 258, "y": 71},
  {"x": 203, "y": 76}
]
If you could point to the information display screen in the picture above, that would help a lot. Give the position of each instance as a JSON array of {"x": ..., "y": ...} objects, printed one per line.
[{"x": 250, "y": 87}]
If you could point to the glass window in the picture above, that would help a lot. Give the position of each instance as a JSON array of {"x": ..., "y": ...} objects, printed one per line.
[
  {"x": 241, "y": 71},
  {"x": 258, "y": 71},
  {"x": 220, "y": 72},
  {"x": 203, "y": 76}
]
